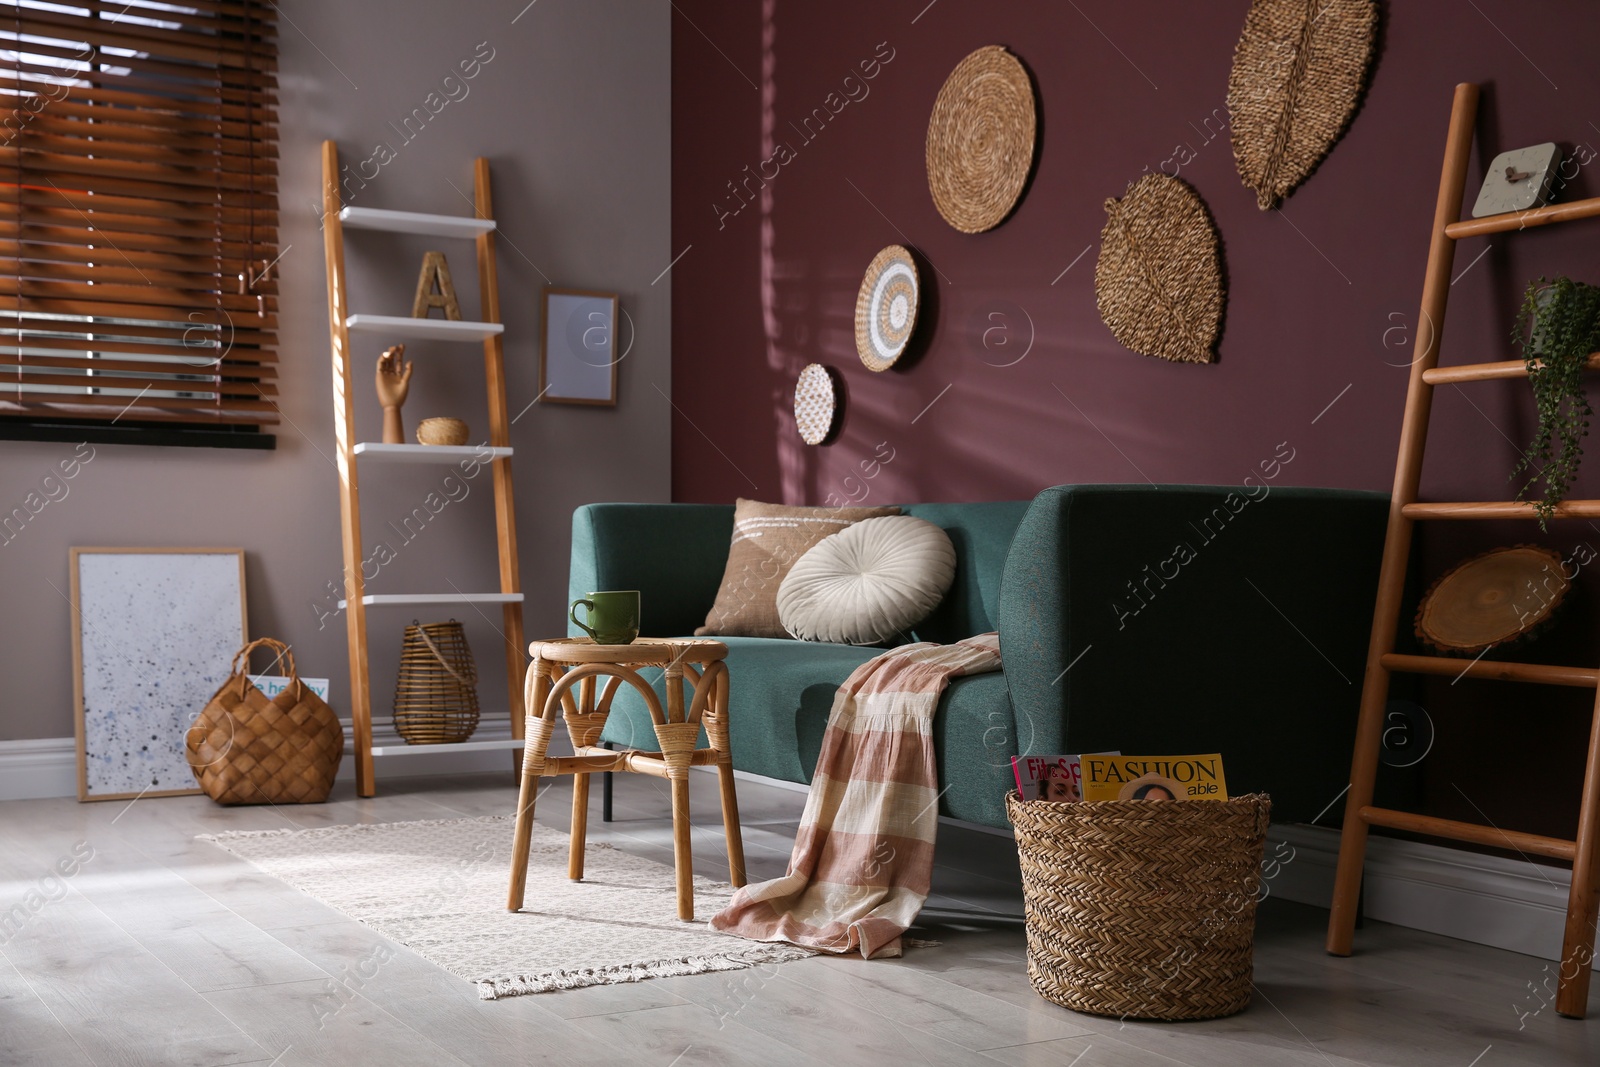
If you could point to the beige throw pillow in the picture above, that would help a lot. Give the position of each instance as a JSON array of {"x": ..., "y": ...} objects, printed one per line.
[
  {"x": 767, "y": 539},
  {"x": 868, "y": 584}
]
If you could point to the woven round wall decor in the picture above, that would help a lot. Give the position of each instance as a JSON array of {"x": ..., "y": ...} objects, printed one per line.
[
  {"x": 980, "y": 140},
  {"x": 886, "y": 308},
  {"x": 1297, "y": 76},
  {"x": 1159, "y": 280},
  {"x": 815, "y": 404}
]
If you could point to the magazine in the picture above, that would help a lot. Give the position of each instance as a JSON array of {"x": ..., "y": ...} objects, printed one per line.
[
  {"x": 1119, "y": 777},
  {"x": 1049, "y": 777}
]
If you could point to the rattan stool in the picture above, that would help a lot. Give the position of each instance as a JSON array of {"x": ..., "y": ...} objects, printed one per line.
[{"x": 567, "y": 674}]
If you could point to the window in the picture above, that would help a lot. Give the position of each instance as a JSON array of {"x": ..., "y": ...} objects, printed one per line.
[{"x": 138, "y": 221}]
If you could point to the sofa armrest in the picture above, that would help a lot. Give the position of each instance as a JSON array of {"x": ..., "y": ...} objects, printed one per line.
[
  {"x": 674, "y": 554},
  {"x": 1175, "y": 619}
]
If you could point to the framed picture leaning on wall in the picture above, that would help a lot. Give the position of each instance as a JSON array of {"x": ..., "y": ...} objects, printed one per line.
[{"x": 154, "y": 631}]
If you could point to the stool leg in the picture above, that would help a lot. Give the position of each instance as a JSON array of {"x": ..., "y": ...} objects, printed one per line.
[
  {"x": 523, "y": 840},
  {"x": 676, "y": 737},
  {"x": 717, "y": 734},
  {"x": 580, "y": 823},
  {"x": 605, "y": 791},
  {"x": 537, "y": 735},
  {"x": 730, "y": 825},
  {"x": 682, "y": 854}
]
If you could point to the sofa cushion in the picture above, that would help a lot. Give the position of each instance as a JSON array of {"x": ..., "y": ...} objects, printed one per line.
[
  {"x": 981, "y": 534},
  {"x": 767, "y": 540},
  {"x": 868, "y": 583}
]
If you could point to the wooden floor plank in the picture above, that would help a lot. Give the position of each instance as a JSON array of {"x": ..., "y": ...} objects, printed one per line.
[{"x": 161, "y": 949}]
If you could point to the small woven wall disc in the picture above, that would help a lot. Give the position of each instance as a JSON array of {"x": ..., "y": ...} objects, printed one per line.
[
  {"x": 886, "y": 308},
  {"x": 1297, "y": 76},
  {"x": 980, "y": 140},
  {"x": 1504, "y": 595},
  {"x": 1158, "y": 283},
  {"x": 815, "y": 404}
]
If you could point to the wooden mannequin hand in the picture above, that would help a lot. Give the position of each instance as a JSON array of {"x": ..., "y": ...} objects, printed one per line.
[
  {"x": 393, "y": 377},
  {"x": 393, "y": 380}
]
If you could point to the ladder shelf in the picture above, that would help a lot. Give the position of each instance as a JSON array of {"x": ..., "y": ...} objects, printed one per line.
[
  {"x": 1583, "y": 902},
  {"x": 347, "y": 377}
]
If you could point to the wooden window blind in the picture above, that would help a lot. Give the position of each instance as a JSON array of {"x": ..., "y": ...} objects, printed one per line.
[{"x": 138, "y": 221}]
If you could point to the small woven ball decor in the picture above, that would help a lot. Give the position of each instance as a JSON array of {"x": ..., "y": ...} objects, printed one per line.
[
  {"x": 980, "y": 140},
  {"x": 436, "y": 698},
  {"x": 1142, "y": 909},
  {"x": 1158, "y": 283},
  {"x": 442, "y": 431},
  {"x": 886, "y": 308},
  {"x": 247, "y": 749},
  {"x": 1298, "y": 71},
  {"x": 816, "y": 404}
]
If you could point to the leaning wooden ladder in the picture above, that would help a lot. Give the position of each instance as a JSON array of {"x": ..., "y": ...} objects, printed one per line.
[
  {"x": 1577, "y": 950},
  {"x": 480, "y": 228}
]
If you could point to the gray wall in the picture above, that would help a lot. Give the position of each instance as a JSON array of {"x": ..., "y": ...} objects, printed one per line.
[{"x": 573, "y": 113}]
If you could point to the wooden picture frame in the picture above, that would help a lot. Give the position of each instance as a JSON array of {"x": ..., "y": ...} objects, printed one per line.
[
  {"x": 153, "y": 638},
  {"x": 578, "y": 347}
]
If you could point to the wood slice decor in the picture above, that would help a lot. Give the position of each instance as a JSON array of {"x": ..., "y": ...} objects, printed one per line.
[
  {"x": 1158, "y": 283},
  {"x": 980, "y": 140},
  {"x": 1298, "y": 71},
  {"x": 886, "y": 308},
  {"x": 1503, "y": 596},
  {"x": 815, "y": 404}
]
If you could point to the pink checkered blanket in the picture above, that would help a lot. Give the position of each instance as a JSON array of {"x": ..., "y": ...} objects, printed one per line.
[{"x": 863, "y": 859}]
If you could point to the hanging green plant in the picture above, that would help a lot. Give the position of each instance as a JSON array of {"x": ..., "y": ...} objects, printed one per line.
[{"x": 1557, "y": 328}]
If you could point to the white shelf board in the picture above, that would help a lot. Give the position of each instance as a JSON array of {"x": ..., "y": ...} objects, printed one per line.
[
  {"x": 432, "y": 329},
  {"x": 381, "y": 453},
  {"x": 373, "y": 600},
  {"x": 403, "y": 749},
  {"x": 372, "y": 218}
]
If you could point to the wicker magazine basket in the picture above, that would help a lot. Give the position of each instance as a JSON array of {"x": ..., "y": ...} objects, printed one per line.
[
  {"x": 245, "y": 748},
  {"x": 436, "y": 697},
  {"x": 1142, "y": 909}
]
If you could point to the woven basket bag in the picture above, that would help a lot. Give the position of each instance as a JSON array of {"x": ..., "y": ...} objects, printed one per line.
[
  {"x": 1142, "y": 909},
  {"x": 247, "y": 749}
]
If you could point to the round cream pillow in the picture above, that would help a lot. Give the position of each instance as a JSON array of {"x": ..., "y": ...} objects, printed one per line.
[{"x": 868, "y": 583}]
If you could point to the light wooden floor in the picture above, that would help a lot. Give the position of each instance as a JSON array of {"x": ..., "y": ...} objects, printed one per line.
[{"x": 163, "y": 950}]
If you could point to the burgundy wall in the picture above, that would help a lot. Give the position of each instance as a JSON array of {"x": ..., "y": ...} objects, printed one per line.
[{"x": 1017, "y": 385}]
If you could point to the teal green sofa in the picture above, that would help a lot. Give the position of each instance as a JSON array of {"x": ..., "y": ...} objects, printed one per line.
[{"x": 1249, "y": 639}]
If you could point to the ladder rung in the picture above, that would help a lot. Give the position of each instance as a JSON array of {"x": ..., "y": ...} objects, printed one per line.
[
  {"x": 1483, "y": 372},
  {"x": 1491, "y": 670},
  {"x": 1555, "y": 848},
  {"x": 1522, "y": 220},
  {"x": 1500, "y": 509}
]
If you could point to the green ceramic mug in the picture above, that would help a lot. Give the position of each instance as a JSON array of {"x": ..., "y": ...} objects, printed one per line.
[{"x": 613, "y": 616}]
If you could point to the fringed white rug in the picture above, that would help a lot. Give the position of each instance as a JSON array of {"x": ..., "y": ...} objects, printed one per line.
[{"x": 439, "y": 888}]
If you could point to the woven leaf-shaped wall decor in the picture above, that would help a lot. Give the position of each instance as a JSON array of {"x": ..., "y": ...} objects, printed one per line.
[
  {"x": 1297, "y": 76},
  {"x": 1159, "y": 280}
]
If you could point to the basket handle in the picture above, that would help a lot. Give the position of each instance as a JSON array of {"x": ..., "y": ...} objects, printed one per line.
[
  {"x": 451, "y": 671},
  {"x": 243, "y": 656}
]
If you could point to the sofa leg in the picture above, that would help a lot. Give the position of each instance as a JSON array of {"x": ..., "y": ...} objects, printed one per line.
[{"x": 605, "y": 792}]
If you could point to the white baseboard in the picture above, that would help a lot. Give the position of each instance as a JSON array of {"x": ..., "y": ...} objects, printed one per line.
[
  {"x": 1488, "y": 900},
  {"x": 37, "y": 768},
  {"x": 48, "y": 767}
]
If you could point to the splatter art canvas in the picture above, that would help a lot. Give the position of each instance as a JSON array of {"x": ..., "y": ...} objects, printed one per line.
[{"x": 154, "y": 633}]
